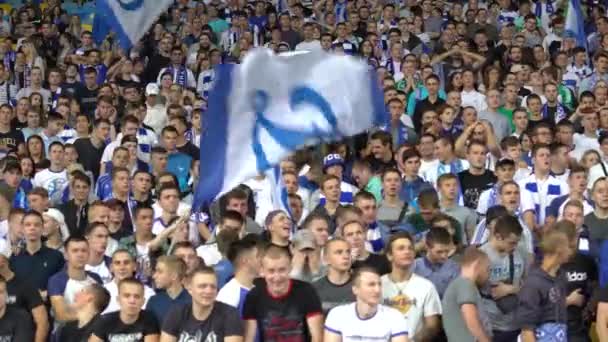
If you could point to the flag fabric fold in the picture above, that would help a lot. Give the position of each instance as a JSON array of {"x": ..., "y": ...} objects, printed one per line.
[
  {"x": 575, "y": 23},
  {"x": 129, "y": 19},
  {"x": 270, "y": 105}
]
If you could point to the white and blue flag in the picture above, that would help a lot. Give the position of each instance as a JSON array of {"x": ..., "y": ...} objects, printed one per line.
[
  {"x": 129, "y": 19},
  {"x": 270, "y": 105},
  {"x": 575, "y": 23},
  {"x": 280, "y": 198}
]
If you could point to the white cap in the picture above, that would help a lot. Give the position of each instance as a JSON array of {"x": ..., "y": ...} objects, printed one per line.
[
  {"x": 60, "y": 219},
  {"x": 152, "y": 89}
]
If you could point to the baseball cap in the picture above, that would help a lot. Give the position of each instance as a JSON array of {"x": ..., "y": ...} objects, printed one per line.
[
  {"x": 303, "y": 239},
  {"x": 152, "y": 89},
  {"x": 331, "y": 160}
]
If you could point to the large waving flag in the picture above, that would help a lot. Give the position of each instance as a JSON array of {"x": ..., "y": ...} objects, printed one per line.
[
  {"x": 129, "y": 19},
  {"x": 268, "y": 106},
  {"x": 575, "y": 22}
]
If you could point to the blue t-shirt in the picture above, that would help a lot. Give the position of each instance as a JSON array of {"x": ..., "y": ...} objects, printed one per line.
[
  {"x": 160, "y": 303},
  {"x": 179, "y": 164},
  {"x": 224, "y": 271}
]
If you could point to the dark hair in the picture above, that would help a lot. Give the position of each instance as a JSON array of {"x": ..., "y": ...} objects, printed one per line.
[
  {"x": 73, "y": 239},
  {"x": 91, "y": 227},
  {"x": 238, "y": 248},
  {"x": 167, "y": 186},
  {"x": 130, "y": 281},
  {"x": 118, "y": 169},
  {"x": 32, "y": 213},
  {"x": 232, "y": 215},
  {"x": 140, "y": 208},
  {"x": 398, "y": 236},
  {"x": 78, "y": 175},
  {"x": 364, "y": 195},
  {"x": 538, "y": 147},
  {"x": 507, "y": 225},
  {"x": 101, "y": 296},
  {"x": 39, "y": 191},
  {"x": 437, "y": 235},
  {"x": 55, "y": 143},
  {"x": 390, "y": 170}
]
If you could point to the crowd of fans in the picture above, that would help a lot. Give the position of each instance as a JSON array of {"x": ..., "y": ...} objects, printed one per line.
[{"x": 479, "y": 212}]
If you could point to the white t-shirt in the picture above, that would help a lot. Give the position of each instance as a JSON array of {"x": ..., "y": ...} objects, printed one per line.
[
  {"x": 102, "y": 270},
  {"x": 233, "y": 294},
  {"x": 113, "y": 305},
  {"x": 309, "y": 46},
  {"x": 209, "y": 253},
  {"x": 583, "y": 143},
  {"x": 415, "y": 299},
  {"x": 54, "y": 182},
  {"x": 262, "y": 195},
  {"x": 384, "y": 325}
]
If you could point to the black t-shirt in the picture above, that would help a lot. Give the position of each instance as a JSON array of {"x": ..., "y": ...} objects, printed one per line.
[
  {"x": 73, "y": 89},
  {"x": 191, "y": 150},
  {"x": 16, "y": 326},
  {"x": 284, "y": 318},
  {"x": 377, "y": 261},
  {"x": 111, "y": 328},
  {"x": 88, "y": 100},
  {"x": 71, "y": 332},
  {"x": 378, "y": 165},
  {"x": 16, "y": 124},
  {"x": 223, "y": 321},
  {"x": 9, "y": 141},
  {"x": 579, "y": 273},
  {"x": 472, "y": 186},
  {"x": 89, "y": 155},
  {"x": 22, "y": 295}
]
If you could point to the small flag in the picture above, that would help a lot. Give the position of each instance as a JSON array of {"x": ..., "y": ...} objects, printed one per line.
[
  {"x": 575, "y": 23},
  {"x": 129, "y": 19}
]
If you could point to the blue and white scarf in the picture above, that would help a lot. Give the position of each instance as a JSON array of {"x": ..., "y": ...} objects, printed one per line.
[
  {"x": 454, "y": 167},
  {"x": 340, "y": 11},
  {"x": 181, "y": 77},
  {"x": 560, "y": 113},
  {"x": 403, "y": 135},
  {"x": 9, "y": 60},
  {"x": 55, "y": 96},
  {"x": 549, "y": 9}
]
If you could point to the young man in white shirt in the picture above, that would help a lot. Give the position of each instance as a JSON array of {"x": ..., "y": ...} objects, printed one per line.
[
  {"x": 123, "y": 267},
  {"x": 366, "y": 319},
  {"x": 414, "y": 296},
  {"x": 540, "y": 188},
  {"x": 55, "y": 178},
  {"x": 243, "y": 254}
]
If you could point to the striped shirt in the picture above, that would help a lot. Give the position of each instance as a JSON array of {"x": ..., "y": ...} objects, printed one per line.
[
  {"x": 537, "y": 195},
  {"x": 347, "y": 194}
]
